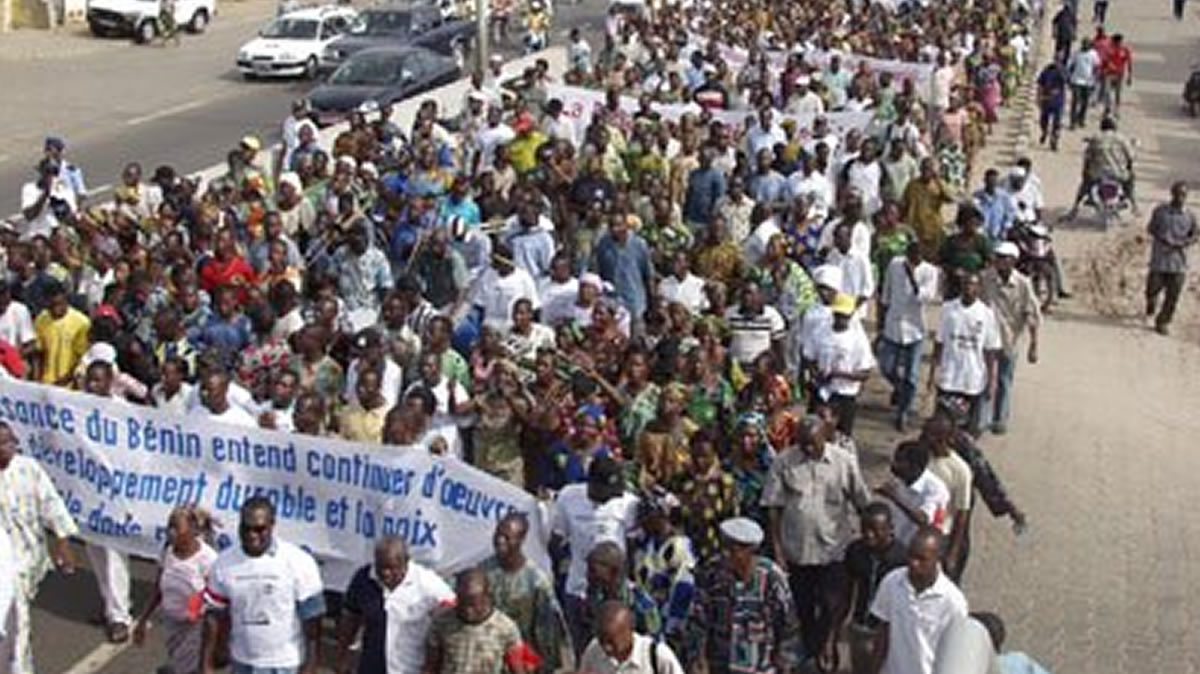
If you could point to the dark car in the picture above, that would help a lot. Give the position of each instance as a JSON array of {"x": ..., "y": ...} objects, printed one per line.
[
  {"x": 383, "y": 75},
  {"x": 402, "y": 24}
]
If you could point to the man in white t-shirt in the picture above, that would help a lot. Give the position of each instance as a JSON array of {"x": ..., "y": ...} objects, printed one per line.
[
  {"x": 858, "y": 277},
  {"x": 916, "y": 496},
  {"x": 844, "y": 362},
  {"x": 914, "y": 605},
  {"x": 963, "y": 367},
  {"x": 16, "y": 324},
  {"x": 1083, "y": 71},
  {"x": 684, "y": 287},
  {"x": 500, "y": 287},
  {"x": 392, "y": 603},
  {"x": 46, "y": 200},
  {"x": 495, "y": 133},
  {"x": 909, "y": 284},
  {"x": 956, "y": 473},
  {"x": 215, "y": 404},
  {"x": 584, "y": 515},
  {"x": 617, "y": 649},
  {"x": 267, "y": 595}
]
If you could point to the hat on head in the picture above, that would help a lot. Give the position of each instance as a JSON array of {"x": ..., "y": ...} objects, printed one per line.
[
  {"x": 829, "y": 276},
  {"x": 251, "y": 143},
  {"x": 1007, "y": 249},
  {"x": 742, "y": 531},
  {"x": 523, "y": 123},
  {"x": 291, "y": 178},
  {"x": 1018, "y": 172},
  {"x": 843, "y": 304},
  {"x": 369, "y": 167}
]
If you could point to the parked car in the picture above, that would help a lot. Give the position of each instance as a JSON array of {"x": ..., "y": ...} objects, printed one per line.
[
  {"x": 292, "y": 44},
  {"x": 421, "y": 25},
  {"x": 139, "y": 18},
  {"x": 380, "y": 75}
]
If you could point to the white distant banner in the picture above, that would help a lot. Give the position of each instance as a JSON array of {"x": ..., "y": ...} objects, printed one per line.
[
  {"x": 580, "y": 105},
  {"x": 121, "y": 468},
  {"x": 737, "y": 57}
]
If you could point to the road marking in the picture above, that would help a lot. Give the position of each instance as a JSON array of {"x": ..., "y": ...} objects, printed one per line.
[
  {"x": 4, "y": 158},
  {"x": 97, "y": 190},
  {"x": 166, "y": 112},
  {"x": 97, "y": 659}
]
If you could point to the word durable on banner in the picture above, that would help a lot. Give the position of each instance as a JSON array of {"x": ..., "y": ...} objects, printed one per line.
[{"x": 122, "y": 468}]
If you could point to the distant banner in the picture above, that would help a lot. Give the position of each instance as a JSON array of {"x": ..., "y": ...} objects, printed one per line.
[
  {"x": 737, "y": 57},
  {"x": 122, "y": 468},
  {"x": 580, "y": 105}
]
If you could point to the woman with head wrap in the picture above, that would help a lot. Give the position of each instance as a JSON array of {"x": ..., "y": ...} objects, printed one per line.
[
  {"x": 662, "y": 447},
  {"x": 750, "y": 457},
  {"x": 570, "y": 457}
]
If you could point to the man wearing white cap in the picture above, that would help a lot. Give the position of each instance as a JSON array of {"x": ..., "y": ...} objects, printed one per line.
[
  {"x": 1010, "y": 295},
  {"x": 804, "y": 102},
  {"x": 738, "y": 589}
]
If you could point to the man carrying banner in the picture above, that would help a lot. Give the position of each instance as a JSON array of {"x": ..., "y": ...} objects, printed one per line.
[{"x": 29, "y": 507}]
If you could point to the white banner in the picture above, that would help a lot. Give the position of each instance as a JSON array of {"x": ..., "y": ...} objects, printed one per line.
[
  {"x": 122, "y": 468},
  {"x": 736, "y": 58},
  {"x": 580, "y": 105}
]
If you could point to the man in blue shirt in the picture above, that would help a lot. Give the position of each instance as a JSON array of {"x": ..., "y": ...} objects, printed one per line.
[
  {"x": 705, "y": 187},
  {"x": 996, "y": 206},
  {"x": 1052, "y": 98},
  {"x": 623, "y": 259}
]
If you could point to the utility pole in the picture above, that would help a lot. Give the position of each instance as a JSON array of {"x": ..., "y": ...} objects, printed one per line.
[{"x": 481, "y": 35}]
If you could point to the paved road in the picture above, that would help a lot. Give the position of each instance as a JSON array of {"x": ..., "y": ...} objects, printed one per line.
[
  {"x": 1102, "y": 452},
  {"x": 116, "y": 102}
]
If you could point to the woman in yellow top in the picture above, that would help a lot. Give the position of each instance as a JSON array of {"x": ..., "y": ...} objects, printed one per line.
[
  {"x": 62, "y": 337},
  {"x": 522, "y": 150}
]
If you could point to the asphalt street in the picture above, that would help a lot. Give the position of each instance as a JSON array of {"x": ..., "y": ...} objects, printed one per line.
[{"x": 116, "y": 102}]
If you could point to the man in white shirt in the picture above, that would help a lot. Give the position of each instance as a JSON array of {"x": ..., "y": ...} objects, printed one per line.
[
  {"x": 941, "y": 83},
  {"x": 804, "y": 102},
  {"x": 684, "y": 287},
  {"x": 844, "y": 362},
  {"x": 915, "y": 604},
  {"x": 16, "y": 324},
  {"x": 955, "y": 473},
  {"x": 391, "y": 602},
  {"x": 495, "y": 133},
  {"x": 865, "y": 174},
  {"x": 858, "y": 278},
  {"x": 807, "y": 181},
  {"x": 267, "y": 595},
  {"x": 1083, "y": 73},
  {"x": 584, "y": 515},
  {"x": 215, "y": 404},
  {"x": 558, "y": 126},
  {"x": 1026, "y": 196},
  {"x": 617, "y": 649},
  {"x": 500, "y": 287},
  {"x": 46, "y": 201},
  {"x": 909, "y": 285},
  {"x": 963, "y": 367},
  {"x": 860, "y": 232},
  {"x": 765, "y": 135}
]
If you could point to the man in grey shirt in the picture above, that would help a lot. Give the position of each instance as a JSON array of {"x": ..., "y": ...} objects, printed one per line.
[
  {"x": 1172, "y": 230},
  {"x": 813, "y": 493}
]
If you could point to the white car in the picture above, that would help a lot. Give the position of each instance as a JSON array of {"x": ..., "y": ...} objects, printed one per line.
[
  {"x": 292, "y": 44},
  {"x": 139, "y": 18}
]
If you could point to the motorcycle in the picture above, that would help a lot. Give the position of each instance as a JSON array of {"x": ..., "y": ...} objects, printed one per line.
[
  {"x": 1037, "y": 258},
  {"x": 1191, "y": 92},
  {"x": 1109, "y": 199}
]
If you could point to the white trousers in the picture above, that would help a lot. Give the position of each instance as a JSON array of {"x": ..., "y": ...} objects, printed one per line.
[{"x": 112, "y": 577}]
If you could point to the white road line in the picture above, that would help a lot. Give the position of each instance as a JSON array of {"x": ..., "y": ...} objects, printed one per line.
[
  {"x": 166, "y": 112},
  {"x": 97, "y": 659},
  {"x": 97, "y": 190},
  {"x": 4, "y": 158}
]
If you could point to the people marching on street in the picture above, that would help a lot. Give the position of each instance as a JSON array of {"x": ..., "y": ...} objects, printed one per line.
[{"x": 660, "y": 292}]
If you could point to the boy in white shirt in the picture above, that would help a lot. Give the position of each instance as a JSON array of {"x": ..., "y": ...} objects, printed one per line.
[{"x": 917, "y": 497}]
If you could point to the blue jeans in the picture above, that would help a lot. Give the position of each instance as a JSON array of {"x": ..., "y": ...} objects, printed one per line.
[
  {"x": 901, "y": 366},
  {"x": 1006, "y": 364},
  {"x": 239, "y": 668}
]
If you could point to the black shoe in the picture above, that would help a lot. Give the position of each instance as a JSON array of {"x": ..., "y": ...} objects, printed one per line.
[
  {"x": 1162, "y": 330},
  {"x": 1064, "y": 295}
]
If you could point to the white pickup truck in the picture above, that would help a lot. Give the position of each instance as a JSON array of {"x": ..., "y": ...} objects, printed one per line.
[{"x": 139, "y": 18}]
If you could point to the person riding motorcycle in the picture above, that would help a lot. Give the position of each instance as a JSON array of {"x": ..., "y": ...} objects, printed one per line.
[{"x": 1108, "y": 156}]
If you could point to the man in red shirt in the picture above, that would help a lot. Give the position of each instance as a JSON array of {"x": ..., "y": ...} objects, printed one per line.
[
  {"x": 1117, "y": 70},
  {"x": 1101, "y": 43}
]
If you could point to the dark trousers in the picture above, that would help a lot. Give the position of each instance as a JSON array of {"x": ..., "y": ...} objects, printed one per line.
[
  {"x": 1178, "y": 8},
  {"x": 1160, "y": 282},
  {"x": 1050, "y": 122},
  {"x": 846, "y": 408},
  {"x": 1100, "y": 11},
  {"x": 818, "y": 591},
  {"x": 1080, "y": 95}
]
